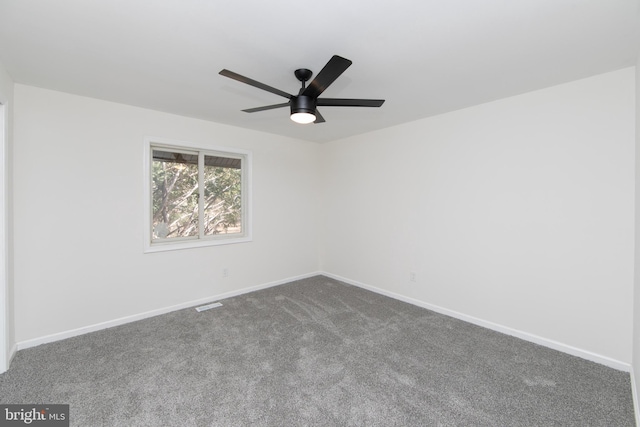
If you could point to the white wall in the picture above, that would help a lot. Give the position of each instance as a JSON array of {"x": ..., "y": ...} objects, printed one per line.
[
  {"x": 635, "y": 378},
  {"x": 6, "y": 234},
  {"x": 79, "y": 214},
  {"x": 517, "y": 212}
]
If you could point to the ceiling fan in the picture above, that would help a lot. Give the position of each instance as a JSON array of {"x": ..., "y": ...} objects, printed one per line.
[{"x": 304, "y": 105}]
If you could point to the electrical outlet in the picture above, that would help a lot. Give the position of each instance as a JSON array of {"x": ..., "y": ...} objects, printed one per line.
[
  {"x": 412, "y": 276},
  {"x": 225, "y": 272}
]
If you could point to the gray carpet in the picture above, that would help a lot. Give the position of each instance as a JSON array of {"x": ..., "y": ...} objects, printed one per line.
[{"x": 315, "y": 352}]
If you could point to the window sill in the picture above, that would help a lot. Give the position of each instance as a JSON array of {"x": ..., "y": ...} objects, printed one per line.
[{"x": 190, "y": 244}]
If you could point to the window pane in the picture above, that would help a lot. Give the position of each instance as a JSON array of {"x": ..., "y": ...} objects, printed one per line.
[
  {"x": 222, "y": 195},
  {"x": 175, "y": 194}
]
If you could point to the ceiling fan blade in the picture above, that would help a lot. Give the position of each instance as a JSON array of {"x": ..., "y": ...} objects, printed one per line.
[
  {"x": 336, "y": 66},
  {"x": 254, "y": 83},
  {"x": 319, "y": 118},
  {"x": 341, "y": 102},
  {"x": 267, "y": 107}
]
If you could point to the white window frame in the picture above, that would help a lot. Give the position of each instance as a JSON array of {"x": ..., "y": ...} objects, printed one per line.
[{"x": 200, "y": 240}]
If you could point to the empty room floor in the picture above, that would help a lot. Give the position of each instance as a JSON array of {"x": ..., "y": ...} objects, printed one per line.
[{"x": 315, "y": 352}]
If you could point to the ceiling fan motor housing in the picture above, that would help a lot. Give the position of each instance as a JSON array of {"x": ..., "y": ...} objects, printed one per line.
[{"x": 303, "y": 104}]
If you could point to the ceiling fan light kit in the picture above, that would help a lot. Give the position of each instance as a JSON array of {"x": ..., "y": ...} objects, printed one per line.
[
  {"x": 303, "y": 118},
  {"x": 303, "y": 109},
  {"x": 304, "y": 105}
]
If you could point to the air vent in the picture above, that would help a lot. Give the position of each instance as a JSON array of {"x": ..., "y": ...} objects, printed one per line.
[{"x": 208, "y": 306}]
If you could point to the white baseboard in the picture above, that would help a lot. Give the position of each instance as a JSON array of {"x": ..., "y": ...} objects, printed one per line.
[
  {"x": 128, "y": 319},
  {"x": 574, "y": 351}
]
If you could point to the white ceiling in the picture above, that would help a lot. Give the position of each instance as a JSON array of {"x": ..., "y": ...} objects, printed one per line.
[{"x": 425, "y": 57}]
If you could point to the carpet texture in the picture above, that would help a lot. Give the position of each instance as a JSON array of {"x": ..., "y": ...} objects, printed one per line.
[{"x": 315, "y": 352}]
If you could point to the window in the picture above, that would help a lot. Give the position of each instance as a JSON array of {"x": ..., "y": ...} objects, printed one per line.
[{"x": 195, "y": 196}]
